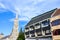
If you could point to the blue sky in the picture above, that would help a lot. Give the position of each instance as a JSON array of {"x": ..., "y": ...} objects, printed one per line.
[{"x": 26, "y": 10}]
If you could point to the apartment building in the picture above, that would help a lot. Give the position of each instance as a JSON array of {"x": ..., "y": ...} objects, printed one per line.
[
  {"x": 55, "y": 24},
  {"x": 38, "y": 28}
]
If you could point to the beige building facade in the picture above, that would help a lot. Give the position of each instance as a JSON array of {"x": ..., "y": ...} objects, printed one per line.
[
  {"x": 44, "y": 27},
  {"x": 55, "y": 25}
]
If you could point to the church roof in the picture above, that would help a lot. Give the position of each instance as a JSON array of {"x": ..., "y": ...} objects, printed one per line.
[
  {"x": 41, "y": 17},
  {"x": 1, "y": 34},
  {"x": 5, "y": 37}
]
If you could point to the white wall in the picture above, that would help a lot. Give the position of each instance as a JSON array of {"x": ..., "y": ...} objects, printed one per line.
[
  {"x": 40, "y": 39},
  {"x": 30, "y": 39}
]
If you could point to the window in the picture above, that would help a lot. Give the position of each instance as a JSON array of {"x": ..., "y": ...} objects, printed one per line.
[
  {"x": 56, "y": 32},
  {"x": 45, "y": 23},
  {"x": 55, "y": 22}
]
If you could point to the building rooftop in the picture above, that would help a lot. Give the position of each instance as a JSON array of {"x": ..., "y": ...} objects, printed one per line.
[{"x": 41, "y": 17}]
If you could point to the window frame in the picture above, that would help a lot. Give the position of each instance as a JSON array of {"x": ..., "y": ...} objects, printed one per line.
[{"x": 55, "y": 22}]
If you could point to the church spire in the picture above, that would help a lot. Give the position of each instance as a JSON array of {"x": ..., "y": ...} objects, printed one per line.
[
  {"x": 17, "y": 11},
  {"x": 16, "y": 15},
  {"x": 14, "y": 33}
]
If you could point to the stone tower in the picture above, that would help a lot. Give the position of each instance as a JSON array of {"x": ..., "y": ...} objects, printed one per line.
[{"x": 14, "y": 33}]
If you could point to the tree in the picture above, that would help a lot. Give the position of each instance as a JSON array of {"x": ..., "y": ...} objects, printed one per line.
[{"x": 21, "y": 35}]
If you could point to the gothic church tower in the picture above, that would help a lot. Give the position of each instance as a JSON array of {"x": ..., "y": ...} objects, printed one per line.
[{"x": 14, "y": 33}]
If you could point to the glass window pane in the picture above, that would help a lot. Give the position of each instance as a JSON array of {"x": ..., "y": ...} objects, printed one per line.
[{"x": 56, "y": 22}]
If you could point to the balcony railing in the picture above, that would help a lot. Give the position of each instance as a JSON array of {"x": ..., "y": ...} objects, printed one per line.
[
  {"x": 38, "y": 30},
  {"x": 43, "y": 33},
  {"x": 31, "y": 29},
  {"x": 26, "y": 30},
  {"x": 44, "y": 25},
  {"x": 39, "y": 34},
  {"x": 46, "y": 28},
  {"x": 27, "y": 33},
  {"x": 27, "y": 36},
  {"x": 33, "y": 35},
  {"x": 37, "y": 27},
  {"x": 32, "y": 32},
  {"x": 48, "y": 32}
]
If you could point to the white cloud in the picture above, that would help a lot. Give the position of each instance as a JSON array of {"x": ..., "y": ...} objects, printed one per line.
[
  {"x": 38, "y": 1},
  {"x": 2, "y": 8},
  {"x": 29, "y": 8},
  {"x": 2, "y": 5},
  {"x": 22, "y": 18}
]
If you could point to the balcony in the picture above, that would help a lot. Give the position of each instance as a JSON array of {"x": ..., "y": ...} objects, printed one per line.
[
  {"x": 26, "y": 30},
  {"x": 27, "y": 36},
  {"x": 27, "y": 33},
  {"x": 32, "y": 32},
  {"x": 46, "y": 28},
  {"x": 45, "y": 23},
  {"x": 38, "y": 30},
  {"x": 37, "y": 26},
  {"x": 33, "y": 35},
  {"x": 43, "y": 33},
  {"x": 31, "y": 28},
  {"x": 48, "y": 32},
  {"x": 39, "y": 34}
]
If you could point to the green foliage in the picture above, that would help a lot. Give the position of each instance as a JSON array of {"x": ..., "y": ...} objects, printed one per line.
[{"x": 21, "y": 35}]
